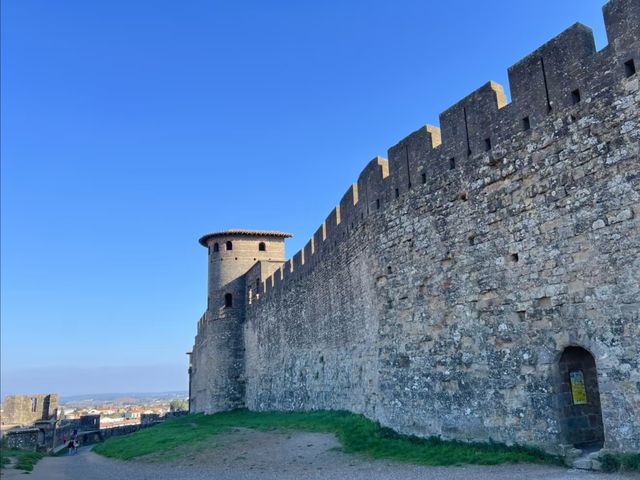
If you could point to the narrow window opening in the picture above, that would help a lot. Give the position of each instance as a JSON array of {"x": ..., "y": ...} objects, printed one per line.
[
  {"x": 526, "y": 124},
  {"x": 463, "y": 196},
  {"x": 487, "y": 144},
  {"x": 229, "y": 246},
  {"x": 208, "y": 302},
  {"x": 34, "y": 404},
  {"x": 466, "y": 130},
  {"x": 262, "y": 247},
  {"x": 514, "y": 257},
  {"x": 629, "y": 68},
  {"x": 452, "y": 163},
  {"x": 397, "y": 192},
  {"x": 377, "y": 204},
  {"x": 424, "y": 178},
  {"x": 575, "y": 96},
  {"x": 472, "y": 240},
  {"x": 216, "y": 247},
  {"x": 228, "y": 300},
  {"x": 389, "y": 269},
  {"x": 546, "y": 86}
]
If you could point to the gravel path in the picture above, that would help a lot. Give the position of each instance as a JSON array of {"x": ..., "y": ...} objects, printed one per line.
[{"x": 248, "y": 454}]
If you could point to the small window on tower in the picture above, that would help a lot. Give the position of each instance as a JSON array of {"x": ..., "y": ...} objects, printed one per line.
[
  {"x": 629, "y": 68},
  {"x": 228, "y": 300},
  {"x": 216, "y": 247},
  {"x": 229, "y": 246},
  {"x": 575, "y": 96},
  {"x": 34, "y": 404},
  {"x": 262, "y": 247}
]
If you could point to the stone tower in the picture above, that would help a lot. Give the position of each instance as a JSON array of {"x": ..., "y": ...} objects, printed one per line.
[{"x": 219, "y": 345}]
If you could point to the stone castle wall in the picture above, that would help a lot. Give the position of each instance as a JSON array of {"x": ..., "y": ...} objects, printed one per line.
[
  {"x": 26, "y": 409},
  {"x": 439, "y": 296}
]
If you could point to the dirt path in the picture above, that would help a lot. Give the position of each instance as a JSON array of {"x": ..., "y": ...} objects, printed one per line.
[{"x": 248, "y": 454}]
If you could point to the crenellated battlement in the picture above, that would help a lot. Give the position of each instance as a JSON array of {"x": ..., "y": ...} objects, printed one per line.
[{"x": 546, "y": 84}]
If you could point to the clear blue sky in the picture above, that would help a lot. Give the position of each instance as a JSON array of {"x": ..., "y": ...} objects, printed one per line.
[{"x": 130, "y": 128}]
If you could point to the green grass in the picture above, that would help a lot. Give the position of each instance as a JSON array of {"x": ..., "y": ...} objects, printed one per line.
[
  {"x": 356, "y": 433},
  {"x": 627, "y": 462},
  {"x": 25, "y": 460}
]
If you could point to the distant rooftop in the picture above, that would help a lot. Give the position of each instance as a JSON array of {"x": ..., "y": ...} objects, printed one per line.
[{"x": 248, "y": 233}]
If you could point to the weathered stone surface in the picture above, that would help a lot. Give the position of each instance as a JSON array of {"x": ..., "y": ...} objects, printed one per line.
[
  {"x": 440, "y": 301},
  {"x": 26, "y": 409},
  {"x": 24, "y": 439}
]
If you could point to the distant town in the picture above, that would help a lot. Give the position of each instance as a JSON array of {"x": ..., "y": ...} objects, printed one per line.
[
  {"x": 123, "y": 408},
  {"x": 45, "y": 421}
]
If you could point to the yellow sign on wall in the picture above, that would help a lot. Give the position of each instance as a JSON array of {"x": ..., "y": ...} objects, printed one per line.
[{"x": 578, "y": 392}]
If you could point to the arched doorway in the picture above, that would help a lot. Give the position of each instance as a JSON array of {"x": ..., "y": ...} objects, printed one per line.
[{"x": 580, "y": 410}]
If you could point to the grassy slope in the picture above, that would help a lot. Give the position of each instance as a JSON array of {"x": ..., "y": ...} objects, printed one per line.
[
  {"x": 356, "y": 434},
  {"x": 25, "y": 459}
]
